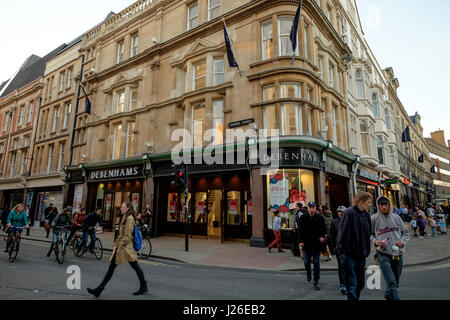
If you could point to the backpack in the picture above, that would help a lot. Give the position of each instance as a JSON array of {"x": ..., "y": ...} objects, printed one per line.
[{"x": 137, "y": 239}]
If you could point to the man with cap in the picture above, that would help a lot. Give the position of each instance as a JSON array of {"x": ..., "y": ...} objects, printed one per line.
[
  {"x": 334, "y": 229},
  {"x": 312, "y": 237},
  {"x": 389, "y": 235}
]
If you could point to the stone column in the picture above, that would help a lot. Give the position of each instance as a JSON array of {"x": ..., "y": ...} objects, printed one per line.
[
  {"x": 257, "y": 191},
  {"x": 321, "y": 187}
]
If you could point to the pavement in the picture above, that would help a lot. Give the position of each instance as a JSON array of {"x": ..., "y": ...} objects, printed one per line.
[{"x": 240, "y": 255}]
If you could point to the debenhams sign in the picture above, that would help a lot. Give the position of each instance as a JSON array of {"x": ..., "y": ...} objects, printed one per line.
[{"x": 115, "y": 173}]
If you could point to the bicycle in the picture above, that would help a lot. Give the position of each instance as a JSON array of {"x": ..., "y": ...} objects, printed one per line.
[
  {"x": 70, "y": 245},
  {"x": 97, "y": 250},
  {"x": 14, "y": 246},
  {"x": 146, "y": 249},
  {"x": 60, "y": 248}
]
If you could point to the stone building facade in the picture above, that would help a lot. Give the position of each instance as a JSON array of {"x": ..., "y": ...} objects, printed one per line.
[{"x": 440, "y": 158}]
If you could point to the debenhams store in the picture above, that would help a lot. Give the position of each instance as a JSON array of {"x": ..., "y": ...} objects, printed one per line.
[{"x": 225, "y": 202}]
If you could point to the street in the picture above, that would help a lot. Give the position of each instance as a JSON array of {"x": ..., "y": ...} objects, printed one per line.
[{"x": 33, "y": 276}]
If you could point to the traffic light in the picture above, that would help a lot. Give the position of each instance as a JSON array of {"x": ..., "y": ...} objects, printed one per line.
[{"x": 180, "y": 177}]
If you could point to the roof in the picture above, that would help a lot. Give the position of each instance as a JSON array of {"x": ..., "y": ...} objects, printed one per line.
[{"x": 31, "y": 70}]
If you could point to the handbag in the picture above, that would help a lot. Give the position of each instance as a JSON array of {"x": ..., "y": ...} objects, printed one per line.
[{"x": 47, "y": 226}]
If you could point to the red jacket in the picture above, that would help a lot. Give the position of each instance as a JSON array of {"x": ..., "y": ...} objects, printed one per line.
[{"x": 78, "y": 220}]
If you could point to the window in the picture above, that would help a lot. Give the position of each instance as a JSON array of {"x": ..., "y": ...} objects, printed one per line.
[
  {"x": 134, "y": 45},
  {"x": 267, "y": 40},
  {"x": 26, "y": 142},
  {"x": 120, "y": 107},
  {"x": 16, "y": 144},
  {"x": 335, "y": 140},
  {"x": 198, "y": 123},
  {"x": 120, "y": 51},
  {"x": 13, "y": 164},
  {"x": 309, "y": 122},
  {"x": 68, "y": 109},
  {"x": 331, "y": 75},
  {"x": 291, "y": 120},
  {"x": 2, "y": 150},
  {"x": 270, "y": 120},
  {"x": 380, "y": 150},
  {"x": 117, "y": 141},
  {"x": 284, "y": 27},
  {"x": 131, "y": 139},
  {"x": 364, "y": 139},
  {"x": 24, "y": 161},
  {"x": 321, "y": 67},
  {"x": 81, "y": 136},
  {"x": 218, "y": 72},
  {"x": 192, "y": 16},
  {"x": 62, "y": 147},
  {"x": 50, "y": 158},
  {"x": 69, "y": 78},
  {"x": 30, "y": 111},
  {"x": 290, "y": 90},
  {"x": 213, "y": 9},
  {"x": 309, "y": 93},
  {"x": 6, "y": 118},
  {"x": 133, "y": 99},
  {"x": 56, "y": 119},
  {"x": 285, "y": 188},
  {"x": 388, "y": 119},
  {"x": 218, "y": 121},
  {"x": 199, "y": 75},
  {"x": 305, "y": 40},
  {"x": 268, "y": 93},
  {"x": 62, "y": 80},
  {"x": 359, "y": 84},
  {"x": 376, "y": 111},
  {"x": 21, "y": 115}
]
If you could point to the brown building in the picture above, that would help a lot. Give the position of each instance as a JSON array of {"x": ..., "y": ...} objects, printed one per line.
[
  {"x": 440, "y": 159},
  {"x": 159, "y": 66}
]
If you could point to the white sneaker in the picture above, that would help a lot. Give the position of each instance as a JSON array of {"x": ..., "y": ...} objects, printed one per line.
[
  {"x": 298, "y": 259},
  {"x": 421, "y": 237}
]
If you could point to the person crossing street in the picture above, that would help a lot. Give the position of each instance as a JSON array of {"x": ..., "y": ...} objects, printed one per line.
[
  {"x": 277, "y": 232},
  {"x": 312, "y": 237},
  {"x": 390, "y": 236}
]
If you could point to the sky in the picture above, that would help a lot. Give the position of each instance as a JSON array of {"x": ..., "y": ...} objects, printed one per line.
[{"x": 412, "y": 36}]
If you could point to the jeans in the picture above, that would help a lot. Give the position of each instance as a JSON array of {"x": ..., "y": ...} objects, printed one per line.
[
  {"x": 277, "y": 240},
  {"x": 315, "y": 254},
  {"x": 55, "y": 237},
  {"x": 295, "y": 247},
  {"x": 391, "y": 269},
  {"x": 339, "y": 260},
  {"x": 353, "y": 271},
  {"x": 433, "y": 230},
  {"x": 86, "y": 234},
  {"x": 136, "y": 267}
]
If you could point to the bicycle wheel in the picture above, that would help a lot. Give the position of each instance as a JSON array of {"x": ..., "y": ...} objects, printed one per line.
[
  {"x": 98, "y": 249},
  {"x": 14, "y": 250},
  {"x": 59, "y": 251},
  {"x": 146, "y": 249},
  {"x": 71, "y": 243},
  {"x": 76, "y": 245}
]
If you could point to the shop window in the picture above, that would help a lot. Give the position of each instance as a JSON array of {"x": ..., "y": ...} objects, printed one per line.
[
  {"x": 200, "y": 207},
  {"x": 286, "y": 188},
  {"x": 234, "y": 208},
  {"x": 176, "y": 207}
]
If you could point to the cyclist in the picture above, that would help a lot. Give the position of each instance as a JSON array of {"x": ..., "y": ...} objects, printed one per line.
[
  {"x": 16, "y": 221},
  {"x": 77, "y": 223},
  {"x": 89, "y": 224},
  {"x": 61, "y": 221}
]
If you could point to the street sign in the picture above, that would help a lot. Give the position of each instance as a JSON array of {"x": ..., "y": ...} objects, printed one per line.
[{"x": 240, "y": 123}]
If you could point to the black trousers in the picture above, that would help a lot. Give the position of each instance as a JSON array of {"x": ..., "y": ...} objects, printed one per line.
[
  {"x": 295, "y": 242},
  {"x": 136, "y": 267}
]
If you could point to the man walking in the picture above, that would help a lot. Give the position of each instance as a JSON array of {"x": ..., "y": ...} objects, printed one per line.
[
  {"x": 312, "y": 237},
  {"x": 353, "y": 242},
  {"x": 389, "y": 235},
  {"x": 277, "y": 232},
  {"x": 295, "y": 238},
  {"x": 334, "y": 229},
  {"x": 50, "y": 214}
]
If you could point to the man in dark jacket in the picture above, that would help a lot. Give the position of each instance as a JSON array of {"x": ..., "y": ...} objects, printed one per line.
[
  {"x": 353, "y": 242},
  {"x": 334, "y": 229},
  {"x": 50, "y": 214},
  {"x": 89, "y": 224},
  {"x": 312, "y": 236},
  {"x": 295, "y": 225},
  {"x": 4, "y": 217}
]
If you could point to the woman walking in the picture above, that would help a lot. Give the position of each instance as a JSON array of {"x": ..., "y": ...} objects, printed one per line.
[{"x": 124, "y": 252}]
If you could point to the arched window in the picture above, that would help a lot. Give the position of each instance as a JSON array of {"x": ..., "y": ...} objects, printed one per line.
[
  {"x": 359, "y": 84},
  {"x": 376, "y": 110}
]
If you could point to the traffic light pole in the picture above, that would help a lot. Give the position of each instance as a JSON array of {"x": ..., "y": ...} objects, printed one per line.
[{"x": 186, "y": 210}]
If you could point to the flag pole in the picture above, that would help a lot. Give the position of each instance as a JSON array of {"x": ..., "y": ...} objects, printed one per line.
[
  {"x": 76, "y": 111},
  {"x": 86, "y": 95}
]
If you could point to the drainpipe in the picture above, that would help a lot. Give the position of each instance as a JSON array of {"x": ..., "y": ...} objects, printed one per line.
[
  {"x": 76, "y": 110},
  {"x": 35, "y": 135}
]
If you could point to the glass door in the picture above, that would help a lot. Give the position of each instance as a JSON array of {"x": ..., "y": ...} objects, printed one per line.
[
  {"x": 108, "y": 211},
  {"x": 214, "y": 213}
]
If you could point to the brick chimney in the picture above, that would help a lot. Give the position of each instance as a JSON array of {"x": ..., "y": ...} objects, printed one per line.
[{"x": 438, "y": 137}]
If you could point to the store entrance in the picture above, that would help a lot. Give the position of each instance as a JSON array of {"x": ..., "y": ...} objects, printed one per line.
[{"x": 113, "y": 203}]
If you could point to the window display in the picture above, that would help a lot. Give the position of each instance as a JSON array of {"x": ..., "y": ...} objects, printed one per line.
[{"x": 286, "y": 188}]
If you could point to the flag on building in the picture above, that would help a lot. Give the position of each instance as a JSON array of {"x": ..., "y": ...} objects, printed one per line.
[
  {"x": 421, "y": 158},
  {"x": 406, "y": 137},
  {"x": 231, "y": 59},
  {"x": 87, "y": 105},
  {"x": 433, "y": 169},
  {"x": 294, "y": 30}
]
